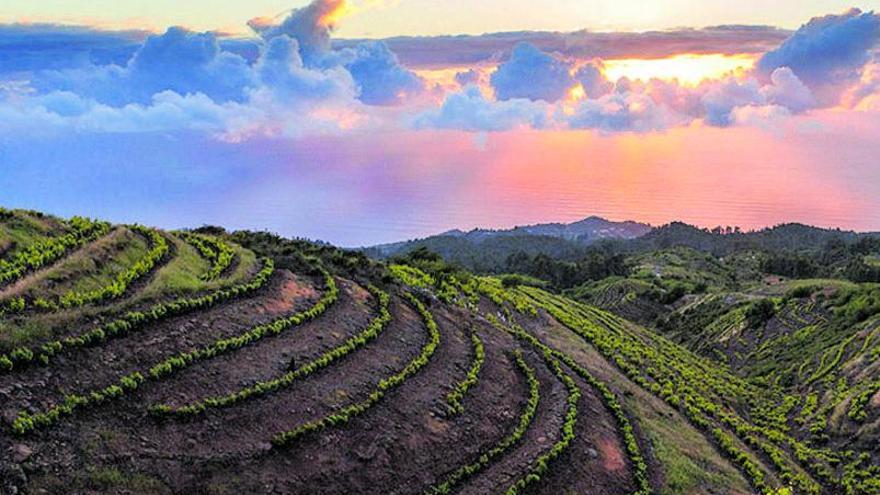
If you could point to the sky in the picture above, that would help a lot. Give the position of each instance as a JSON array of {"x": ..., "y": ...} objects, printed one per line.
[
  {"x": 364, "y": 121},
  {"x": 386, "y": 18}
]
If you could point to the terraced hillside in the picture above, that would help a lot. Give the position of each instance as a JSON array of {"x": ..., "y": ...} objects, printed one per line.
[{"x": 134, "y": 360}]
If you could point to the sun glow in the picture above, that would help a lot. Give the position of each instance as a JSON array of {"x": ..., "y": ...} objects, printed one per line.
[
  {"x": 577, "y": 93},
  {"x": 444, "y": 77},
  {"x": 339, "y": 9},
  {"x": 348, "y": 8},
  {"x": 689, "y": 69}
]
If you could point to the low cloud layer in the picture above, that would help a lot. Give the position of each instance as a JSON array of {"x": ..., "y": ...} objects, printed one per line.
[
  {"x": 292, "y": 78},
  {"x": 432, "y": 51}
]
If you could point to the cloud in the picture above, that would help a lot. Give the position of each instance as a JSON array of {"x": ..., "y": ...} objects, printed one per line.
[
  {"x": 469, "y": 110},
  {"x": 767, "y": 117},
  {"x": 281, "y": 71},
  {"x": 380, "y": 78},
  {"x": 533, "y": 74},
  {"x": 178, "y": 60},
  {"x": 36, "y": 47},
  {"x": 868, "y": 85},
  {"x": 827, "y": 50},
  {"x": 470, "y": 76},
  {"x": 187, "y": 62},
  {"x": 592, "y": 78},
  {"x": 378, "y": 74},
  {"x": 623, "y": 111},
  {"x": 167, "y": 111},
  {"x": 432, "y": 51},
  {"x": 787, "y": 90},
  {"x": 293, "y": 77},
  {"x": 184, "y": 80},
  {"x": 311, "y": 26},
  {"x": 681, "y": 99},
  {"x": 869, "y": 103},
  {"x": 721, "y": 98}
]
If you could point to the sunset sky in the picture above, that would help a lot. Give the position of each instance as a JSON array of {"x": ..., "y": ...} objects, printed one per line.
[
  {"x": 359, "y": 122},
  {"x": 386, "y": 18}
]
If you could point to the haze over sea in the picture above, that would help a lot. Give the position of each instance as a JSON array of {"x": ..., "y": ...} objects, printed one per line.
[{"x": 366, "y": 189}]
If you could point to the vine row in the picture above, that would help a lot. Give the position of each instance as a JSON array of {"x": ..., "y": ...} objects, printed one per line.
[
  {"x": 347, "y": 413},
  {"x": 132, "y": 321},
  {"x": 541, "y": 465},
  {"x": 630, "y": 354},
  {"x": 857, "y": 409},
  {"x": 222, "y": 346},
  {"x": 461, "y": 474},
  {"x": 373, "y": 329},
  {"x": 215, "y": 251},
  {"x": 26, "y": 422},
  {"x": 50, "y": 250},
  {"x": 454, "y": 399},
  {"x": 158, "y": 250},
  {"x": 610, "y": 400},
  {"x": 113, "y": 290}
]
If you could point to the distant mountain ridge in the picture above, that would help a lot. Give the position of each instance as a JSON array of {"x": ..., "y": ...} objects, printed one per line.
[
  {"x": 578, "y": 234},
  {"x": 585, "y": 231},
  {"x": 487, "y": 250}
]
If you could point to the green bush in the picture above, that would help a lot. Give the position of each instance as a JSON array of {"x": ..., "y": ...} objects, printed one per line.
[{"x": 760, "y": 312}]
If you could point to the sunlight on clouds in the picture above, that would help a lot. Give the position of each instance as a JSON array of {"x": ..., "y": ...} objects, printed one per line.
[
  {"x": 575, "y": 95},
  {"x": 331, "y": 18},
  {"x": 443, "y": 77},
  {"x": 689, "y": 69},
  {"x": 337, "y": 10}
]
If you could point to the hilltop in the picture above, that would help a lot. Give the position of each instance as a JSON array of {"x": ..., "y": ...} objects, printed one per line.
[
  {"x": 486, "y": 249},
  {"x": 137, "y": 360}
]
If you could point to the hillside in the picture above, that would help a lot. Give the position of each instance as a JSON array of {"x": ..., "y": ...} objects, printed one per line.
[
  {"x": 135, "y": 360},
  {"x": 486, "y": 250},
  {"x": 785, "y": 237}
]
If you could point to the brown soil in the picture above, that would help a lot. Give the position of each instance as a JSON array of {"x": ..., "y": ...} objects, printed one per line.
[
  {"x": 74, "y": 322},
  {"x": 595, "y": 461},
  {"x": 403, "y": 445},
  {"x": 91, "y": 368}
]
